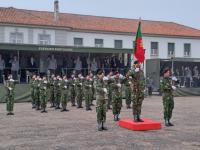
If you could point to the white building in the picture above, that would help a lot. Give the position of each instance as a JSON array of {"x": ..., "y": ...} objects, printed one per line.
[{"x": 29, "y": 33}]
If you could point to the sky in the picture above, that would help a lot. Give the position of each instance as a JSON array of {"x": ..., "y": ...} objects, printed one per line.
[{"x": 186, "y": 12}]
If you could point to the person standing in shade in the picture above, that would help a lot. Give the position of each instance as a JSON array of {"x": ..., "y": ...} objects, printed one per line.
[
  {"x": 52, "y": 64},
  {"x": 2, "y": 67},
  {"x": 101, "y": 97},
  {"x": 15, "y": 67},
  {"x": 138, "y": 86},
  {"x": 10, "y": 86},
  {"x": 94, "y": 66},
  {"x": 78, "y": 65},
  {"x": 167, "y": 96}
]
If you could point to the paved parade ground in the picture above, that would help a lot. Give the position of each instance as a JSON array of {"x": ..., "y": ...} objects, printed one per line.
[{"x": 76, "y": 129}]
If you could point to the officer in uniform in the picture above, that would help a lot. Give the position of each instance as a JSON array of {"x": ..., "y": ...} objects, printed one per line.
[
  {"x": 37, "y": 92},
  {"x": 72, "y": 90},
  {"x": 52, "y": 82},
  {"x": 10, "y": 86},
  {"x": 109, "y": 76},
  {"x": 32, "y": 83},
  {"x": 138, "y": 86},
  {"x": 167, "y": 96},
  {"x": 64, "y": 94},
  {"x": 88, "y": 93},
  {"x": 116, "y": 96},
  {"x": 57, "y": 91},
  {"x": 101, "y": 97},
  {"x": 43, "y": 94},
  {"x": 127, "y": 86},
  {"x": 79, "y": 91}
]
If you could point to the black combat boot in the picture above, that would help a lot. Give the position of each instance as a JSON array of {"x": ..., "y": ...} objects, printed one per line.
[
  {"x": 169, "y": 123},
  {"x": 11, "y": 113},
  {"x": 100, "y": 126},
  {"x": 115, "y": 117},
  {"x": 103, "y": 126},
  {"x": 64, "y": 110},
  {"x": 43, "y": 111},
  {"x": 139, "y": 119},
  {"x": 118, "y": 117},
  {"x": 135, "y": 118}
]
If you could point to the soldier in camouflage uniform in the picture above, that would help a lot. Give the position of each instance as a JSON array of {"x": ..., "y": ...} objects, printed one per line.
[
  {"x": 79, "y": 91},
  {"x": 101, "y": 98},
  {"x": 138, "y": 86},
  {"x": 109, "y": 89},
  {"x": 127, "y": 83},
  {"x": 72, "y": 90},
  {"x": 43, "y": 94},
  {"x": 10, "y": 86},
  {"x": 167, "y": 96},
  {"x": 32, "y": 83},
  {"x": 57, "y": 91},
  {"x": 37, "y": 92},
  {"x": 65, "y": 94},
  {"x": 93, "y": 89},
  {"x": 116, "y": 96},
  {"x": 52, "y": 81},
  {"x": 88, "y": 92}
]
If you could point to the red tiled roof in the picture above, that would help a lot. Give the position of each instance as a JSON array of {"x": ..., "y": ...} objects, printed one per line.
[{"x": 83, "y": 22}]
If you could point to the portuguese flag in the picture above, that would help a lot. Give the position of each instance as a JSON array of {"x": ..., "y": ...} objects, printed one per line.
[{"x": 139, "y": 50}]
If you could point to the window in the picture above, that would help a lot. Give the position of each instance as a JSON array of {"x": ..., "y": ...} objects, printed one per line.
[
  {"x": 16, "y": 37},
  {"x": 78, "y": 41},
  {"x": 98, "y": 42},
  {"x": 118, "y": 44},
  {"x": 154, "y": 48},
  {"x": 187, "y": 49},
  {"x": 171, "y": 49},
  {"x": 44, "y": 39}
]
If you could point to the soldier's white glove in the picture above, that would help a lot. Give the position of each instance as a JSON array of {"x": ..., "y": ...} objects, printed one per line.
[
  {"x": 90, "y": 85},
  {"x": 137, "y": 69},
  {"x": 80, "y": 84},
  {"x": 58, "y": 84},
  {"x": 45, "y": 81},
  {"x": 105, "y": 90},
  {"x": 12, "y": 80},
  {"x": 73, "y": 84},
  {"x": 65, "y": 86},
  {"x": 129, "y": 82},
  {"x": 119, "y": 85},
  {"x": 130, "y": 77},
  {"x": 105, "y": 78},
  {"x": 174, "y": 78},
  {"x": 10, "y": 88},
  {"x": 121, "y": 76},
  {"x": 45, "y": 88},
  {"x": 173, "y": 87}
]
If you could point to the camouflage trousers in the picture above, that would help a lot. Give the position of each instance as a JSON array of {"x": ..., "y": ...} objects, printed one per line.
[
  {"x": 109, "y": 98},
  {"x": 10, "y": 103},
  {"x": 33, "y": 97},
  {"x": 88, "y": 99},
  {"x": 64, "y": 100},
  {"x": 37, "y": 99},
  {"x": 73, "y": 97},
  {"x": 128, "y": 95},
  {"x": 101, "y": 109},
  {"x": 52, "y": 97},
  {"x": 79, "y": 99},
  {"x": 116, "y": 104},
  {"x": 168, "y": 104},
  {"x": 43, "y": 100},
  {"x": 137, "y": 99},
  {"x": 58, "y": 99}
]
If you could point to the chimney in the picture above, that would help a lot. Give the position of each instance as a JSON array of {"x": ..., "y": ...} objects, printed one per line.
[{"x": 56, "y": 10}]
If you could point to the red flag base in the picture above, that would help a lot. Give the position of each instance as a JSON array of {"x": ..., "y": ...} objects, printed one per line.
[{"x": 140, "y": 126}]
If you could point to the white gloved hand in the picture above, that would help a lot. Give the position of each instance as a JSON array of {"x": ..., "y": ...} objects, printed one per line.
[
  {"x": 137, "y": 69},
  {"x": 59, "y": 84},
  {"x": 81, "y": 84},
  {"x": 90, "y": 85},
  {"x": 10, "y": 88},
  {"x": 45, "y": 88},
  {"x": 119, "y": 85},
  {"x": 65, "y": 86},
  {"x": 173, "y": 87},
  {"x": 105, "y": 90},
  {"x": 129, "y": 82}
]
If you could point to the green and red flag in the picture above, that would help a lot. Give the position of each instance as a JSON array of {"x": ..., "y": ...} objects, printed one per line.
[{"x": 138, "y": 49}]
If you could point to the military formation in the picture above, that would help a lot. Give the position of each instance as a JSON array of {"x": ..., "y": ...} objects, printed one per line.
[{"x": 106, "y": 89}]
